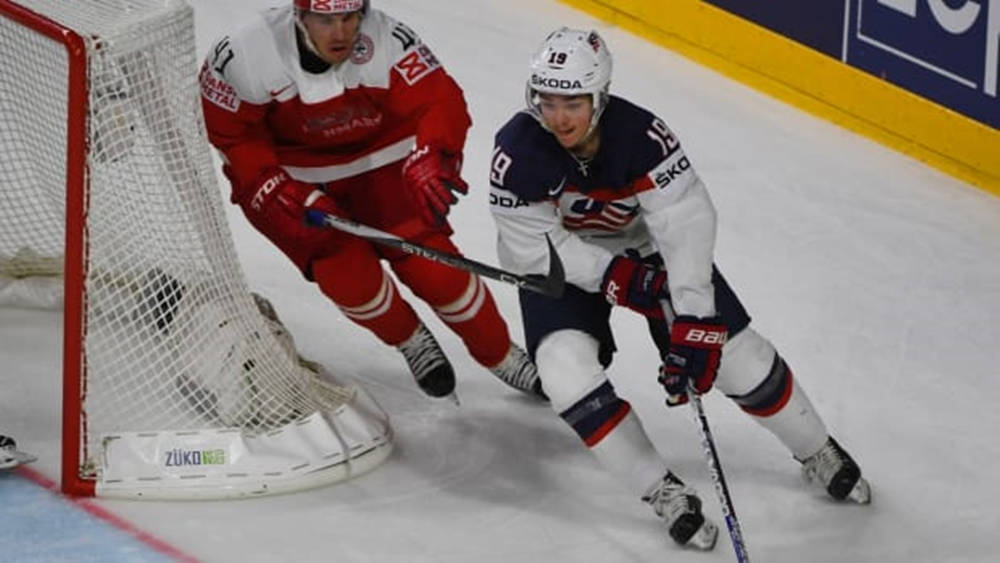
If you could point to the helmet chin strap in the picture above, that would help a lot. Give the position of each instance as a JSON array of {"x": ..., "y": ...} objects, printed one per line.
[
  {"x": 306, "y": 38},
  {"x": 600, "y": 103}
]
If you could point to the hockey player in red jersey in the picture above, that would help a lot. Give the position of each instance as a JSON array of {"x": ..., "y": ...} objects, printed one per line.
[
  {"x": 610, "y": 185},
  {"x": 335, "y": 106}
]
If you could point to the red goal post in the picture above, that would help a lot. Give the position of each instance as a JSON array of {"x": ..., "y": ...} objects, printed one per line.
[
  {"x": 76, "y": 121},
  {"x": 177, "y": 381}
]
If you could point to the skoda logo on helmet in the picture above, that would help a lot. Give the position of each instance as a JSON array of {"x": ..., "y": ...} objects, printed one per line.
[{"x": 556, "y": 83}]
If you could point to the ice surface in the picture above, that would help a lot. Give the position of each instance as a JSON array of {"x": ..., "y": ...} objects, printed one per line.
[{"x": 877, "y": 277}]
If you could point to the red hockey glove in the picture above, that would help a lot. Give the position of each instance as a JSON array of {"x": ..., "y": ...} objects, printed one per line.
[
  {"x": 431, "y": 176},
  {"x": 630, "y": 283},
  {"x": 276, "y": 191},
  {"x": 695, "y": 351}
]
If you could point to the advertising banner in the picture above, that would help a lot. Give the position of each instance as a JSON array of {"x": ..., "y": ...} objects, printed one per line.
[
  {"x": 946, "y": 51},
  {"x": 815, "y": 23},
  {"x": 943, "y": 50}
]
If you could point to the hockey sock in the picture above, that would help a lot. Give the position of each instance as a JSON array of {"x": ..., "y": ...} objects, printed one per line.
[
  {"x": 609, "y": 427},
  {"x": 795, "y": 422},
  {"x": 460, "y": 299},
  {"x": 385, "y": 313}
]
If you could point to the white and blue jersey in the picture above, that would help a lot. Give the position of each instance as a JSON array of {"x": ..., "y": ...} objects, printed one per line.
[{"x": 638, "y": 192}]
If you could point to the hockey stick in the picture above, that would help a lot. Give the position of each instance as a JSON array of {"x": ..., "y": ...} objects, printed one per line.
[
  {"x": 551, "y": 285},
  {"x": 718, "y": 479}
]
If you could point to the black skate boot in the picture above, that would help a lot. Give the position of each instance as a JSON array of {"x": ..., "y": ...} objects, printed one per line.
[
  {"x": 680, "y": 508},
  {"x": 834, "y": 470},
  {"x": 519, "y": 372},
  {"x": 429, "y": 365}
]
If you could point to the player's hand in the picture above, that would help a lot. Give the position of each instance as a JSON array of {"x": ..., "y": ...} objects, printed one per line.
[
  {"x": 694, "y": 355},
  {"x": 630, "y": 283},
  {"x": 278, "y": 193},
  {"x": 432, "y": 178}
]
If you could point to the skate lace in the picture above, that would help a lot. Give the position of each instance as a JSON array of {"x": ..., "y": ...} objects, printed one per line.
[
  {"x": 670, "y": 497},
  {"x": 825, "y": 463},
  {"x": 422, "y": 353},
  {"x": 516, "y": 370}
]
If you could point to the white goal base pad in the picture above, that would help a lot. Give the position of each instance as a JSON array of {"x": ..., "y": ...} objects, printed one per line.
[{"x": 225, "y": 463}]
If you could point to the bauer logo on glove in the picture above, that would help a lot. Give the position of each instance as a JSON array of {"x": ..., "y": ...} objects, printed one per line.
[
  {"x": 699, "y": 336},
  {"x": 694, "y": 356}
]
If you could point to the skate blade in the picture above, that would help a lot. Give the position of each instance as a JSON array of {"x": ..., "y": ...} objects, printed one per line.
[
  {"x": 706, "y": 536},
  {"x": 15, "y": 459},
  {"x": 452, "y": 398},
  {"x": 861, "y": 493}
]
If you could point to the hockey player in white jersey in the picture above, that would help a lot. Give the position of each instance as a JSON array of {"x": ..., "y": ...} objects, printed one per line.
[{"x": 610, "y": 185}]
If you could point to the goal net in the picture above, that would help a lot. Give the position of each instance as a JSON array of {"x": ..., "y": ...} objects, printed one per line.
[{"x": 178, "y": 382}]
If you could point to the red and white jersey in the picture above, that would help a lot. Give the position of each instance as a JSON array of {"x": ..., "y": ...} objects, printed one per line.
[{"x": 263, "y": 109}]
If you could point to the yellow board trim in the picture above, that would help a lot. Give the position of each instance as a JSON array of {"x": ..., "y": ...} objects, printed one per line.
[{"x": 814, "y": 82}]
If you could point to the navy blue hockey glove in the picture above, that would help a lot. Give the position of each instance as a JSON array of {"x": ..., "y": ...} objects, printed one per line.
[
  {"x": 630, "y": 283},
  {"x": 694, "y": 355}
]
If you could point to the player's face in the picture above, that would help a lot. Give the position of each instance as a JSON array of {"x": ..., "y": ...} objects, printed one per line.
[
  {"x": 568, "y": 117},
  {"x": 333, "y": 34}
]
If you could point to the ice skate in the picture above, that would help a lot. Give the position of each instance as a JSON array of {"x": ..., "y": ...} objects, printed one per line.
[
  {"x": 518, "y": 371},
  {"x": 680, "y": 508},
  {"x": 833, "y": 469},
  {"x": 10, "y": 457},
  {"x": 429, "y": 365}
]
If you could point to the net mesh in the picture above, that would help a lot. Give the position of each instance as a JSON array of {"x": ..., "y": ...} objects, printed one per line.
[{"x": 173, "y": 338}]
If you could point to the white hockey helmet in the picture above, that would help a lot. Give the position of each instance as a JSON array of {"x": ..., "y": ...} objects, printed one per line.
[
  {"x": 570, "y": 62},
  {"x": 331, "y": 6}
]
